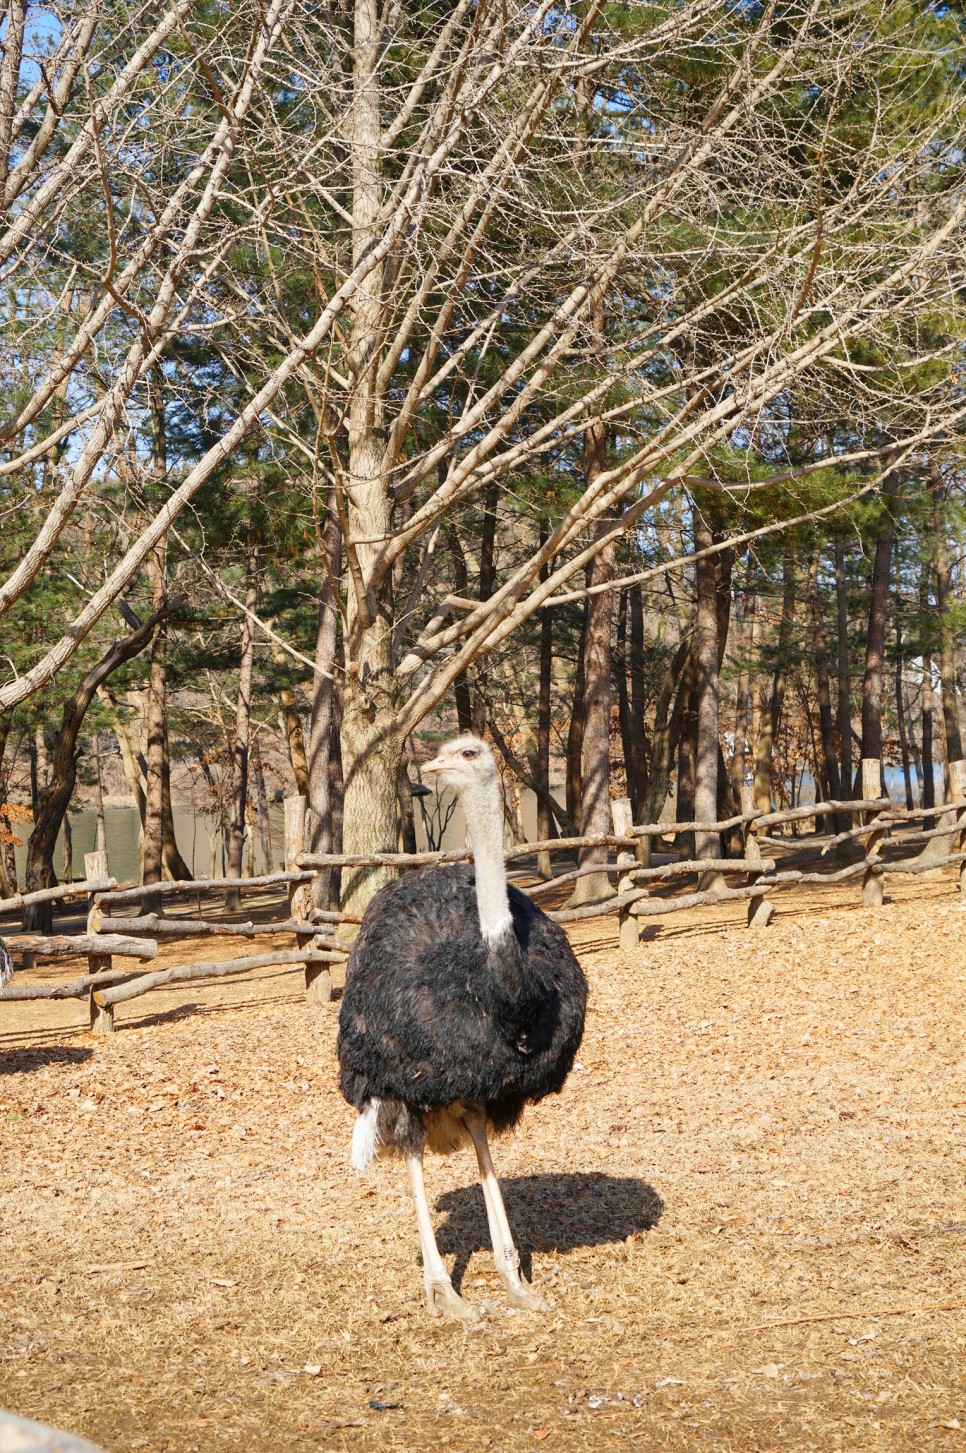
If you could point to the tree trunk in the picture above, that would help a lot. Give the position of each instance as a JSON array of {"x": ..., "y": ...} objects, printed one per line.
[
  {"x": 130, "y": 761},
  {"x": 928, "y": 766},
  {"x": 261, "y": 805},
  {"x": 575, "y": 731},
  {"x": 235, "y": 846},
  {"x": 630, "y": 681},
  {"x": 739, "y": 765},
  {"x": 323, "y": 727},
  {"x": 901, "y": 709},
  {"x": 8, "y": 860},
  {"x": 461, "y": 686},
  {"x": 153, "y": 839},
  {"x": 666, "y": 726},
  {"x": 407, "y": 817},
  {"x": 545, "y": 820},
  {"x": 830, "y": 761},
  {"x": 100, "y": 840},
  {"x": 291, "y": 727},
  {"x": 372, "y": 744},
  {"x": 947, "y": 641},
  {"x": 772, "y": 715},
  {"x": 55, "y": 797},
  {"x": 913, "y": 744},
  {"x": 707, "y": 686},
  {"x": 845, "y": 680},
  {"x": 487, "y": 582},
  {"x": 872, "y": 682},
  {"x": 595, "y": 813}
]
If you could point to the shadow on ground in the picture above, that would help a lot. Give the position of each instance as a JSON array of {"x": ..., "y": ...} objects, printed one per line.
[
  {"x": 553, "y": 1213},
  {"x": 23, "y": 1061}
]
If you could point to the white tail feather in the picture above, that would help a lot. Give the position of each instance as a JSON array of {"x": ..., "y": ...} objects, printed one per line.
[{"x": 365, "y": 1136}]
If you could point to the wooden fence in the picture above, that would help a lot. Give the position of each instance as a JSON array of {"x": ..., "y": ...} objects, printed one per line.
[{"x": 128, "y": 923}]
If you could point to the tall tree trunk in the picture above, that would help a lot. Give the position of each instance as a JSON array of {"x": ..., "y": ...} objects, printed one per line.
[
  {"x": 8, "y": 860},
  {"x": 131, "y": 761},
  {"x": 152, "y": 843},
  {"x": 844, "y": 721},
  {"x": 633, "y": 704},
  {"x": 623, "y": 690},
  {"x": 407, "y": 817},
  {"x": 772, "y": 716},
  {"x": 707, "y": 686},
  {"x": 261, "y": 807},
  {"x": 323, "y": 724},
  {"x": 545, "y": 820},
  {"x": 595, "y": 815},
  {"x": 872, "y": 681},
  {"x": 372, "y": 742},
  {"x": 235, "y": 846},
  {"x": 100, "y": 840},
  {"x": 830, "y": 761},
  {"x": 461, "y": 687},
  {"x": 901, "y": 709},
  {"x": 686, "y": 742},
  {"x": 928, "y": 766},
  {"x": 913, "y": 745},
  {"x": 55, "y": 797},
  {"x": 739, "y": 766},
  {"x": 290, "y": 724},
  {"x": 947, "y": 642},
  {"x": 487, "y": 583},
  {"x": 666, "y": 726},
  {"x": 575, "y": 730}
]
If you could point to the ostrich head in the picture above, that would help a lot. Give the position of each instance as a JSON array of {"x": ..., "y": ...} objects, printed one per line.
[{"x": 466, "y": 766}]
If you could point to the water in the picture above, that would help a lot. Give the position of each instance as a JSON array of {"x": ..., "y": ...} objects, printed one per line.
[
  {"x": 194, "y": 832},
  {"x": 199, "y": 838}
]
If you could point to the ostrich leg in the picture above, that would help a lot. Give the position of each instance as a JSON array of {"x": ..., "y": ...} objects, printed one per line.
[
  {"x": 505, "y": 1254},
  {"x": 441, "y": 1299}
]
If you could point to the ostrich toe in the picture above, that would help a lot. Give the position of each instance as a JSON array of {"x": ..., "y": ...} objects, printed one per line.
[
  {"x": 443, "y": 1301},
  {"x": 520, "y": 1293}
]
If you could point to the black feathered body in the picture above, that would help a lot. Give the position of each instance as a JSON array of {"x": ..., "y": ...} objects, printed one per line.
[{"x": 432, "y": 1017}]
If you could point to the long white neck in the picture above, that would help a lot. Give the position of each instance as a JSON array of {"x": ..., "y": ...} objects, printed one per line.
[{"x": 484, "y": 820}]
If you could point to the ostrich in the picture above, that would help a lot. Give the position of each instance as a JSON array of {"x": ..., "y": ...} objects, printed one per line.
[
  {"x": 6, "y": 965},
  {"x": 463, "y": 1003}
]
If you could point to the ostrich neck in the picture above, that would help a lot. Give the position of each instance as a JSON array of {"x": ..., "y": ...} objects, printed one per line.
[{"x": 484, "y": 819}]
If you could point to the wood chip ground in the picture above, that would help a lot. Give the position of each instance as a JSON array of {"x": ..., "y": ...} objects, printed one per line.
[{"x": 748, "y": 1206}]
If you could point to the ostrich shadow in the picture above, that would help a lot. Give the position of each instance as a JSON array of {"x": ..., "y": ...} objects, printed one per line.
[{"x": 548, "y": 1213}]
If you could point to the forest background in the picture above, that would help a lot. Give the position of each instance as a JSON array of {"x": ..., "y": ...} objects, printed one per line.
[{"x": 588, "y": 375}]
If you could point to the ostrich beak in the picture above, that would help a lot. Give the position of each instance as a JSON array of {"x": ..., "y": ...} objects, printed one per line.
[{"x": 436, "y": 765}]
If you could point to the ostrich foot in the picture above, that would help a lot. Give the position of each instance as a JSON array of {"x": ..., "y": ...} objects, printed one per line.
[
  {"x": 520, "y": 1293},
  {"x": 443, "y": 1301}
]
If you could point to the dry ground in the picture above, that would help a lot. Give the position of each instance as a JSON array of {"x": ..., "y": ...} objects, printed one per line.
[{"x": 748, "y": 1207}]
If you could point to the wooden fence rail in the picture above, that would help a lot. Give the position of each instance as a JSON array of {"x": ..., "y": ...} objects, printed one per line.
[{"x": 111, "y": 935}]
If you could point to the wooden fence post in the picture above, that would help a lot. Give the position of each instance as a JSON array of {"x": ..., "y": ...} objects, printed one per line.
[
  {"x": 760, "y": 911},
  {"x": 873, "y": 881},
  {"x": 957, "y": 784},
  {"x": 871, "y": 779},
  {"x": 318, "y": 977},
  {"x": 101, "y": 1015},
  {"x": 749, "y": 830},
  {"x": 95, "y": 868},
  {"x": 629, "y": 930}
]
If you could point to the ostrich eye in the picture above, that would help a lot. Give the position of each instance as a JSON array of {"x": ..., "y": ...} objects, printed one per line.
[{"x": 469, "y": 753}]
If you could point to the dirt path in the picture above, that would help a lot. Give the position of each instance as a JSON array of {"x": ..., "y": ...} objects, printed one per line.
[{"x": 765, "y": 1128}]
